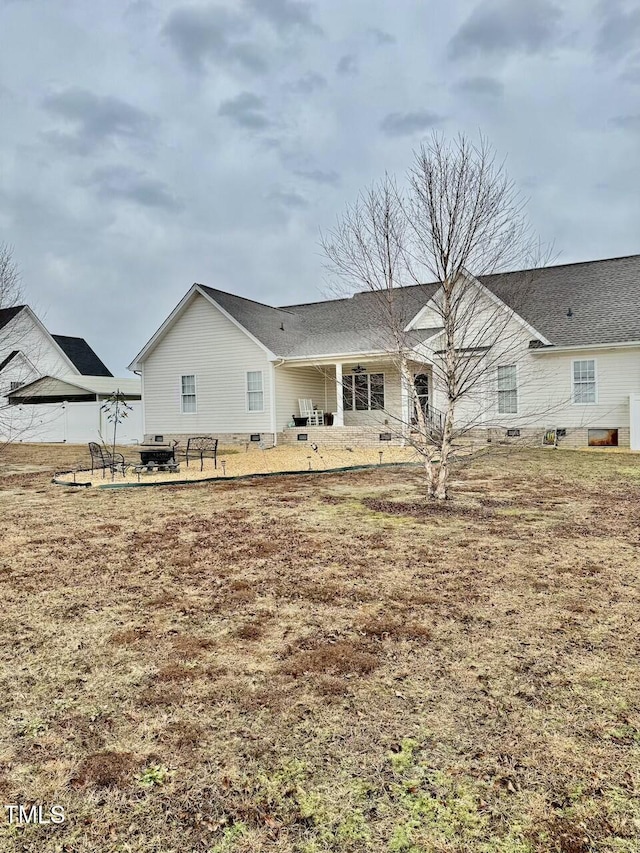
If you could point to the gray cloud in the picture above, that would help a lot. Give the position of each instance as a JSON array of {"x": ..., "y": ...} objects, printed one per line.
[
  {"x": 80, "y": 233},
  {"x": 289, "y": 199},
  {"x": 619, "y": 30},
  {"x": 347, "y": 64},
  {"x": 97, "y": 119},
  {"x": 285, "y": 14},
  {"x": 480, "y": 86},
  {"x": 504, "y": 26},
  {"x": 332, "y": 178},
  {"x": 121, "y": 182},
  {"x": 631, "y": 75},
  {"x": 405, "y": 124},
  {"x": 309, "y": 82},
  {"x": 201, "y": 34},
  {"x": 245, "y": 110},
  {"x": 381, "y": 37},
  {"x": 627, "y": 122}
]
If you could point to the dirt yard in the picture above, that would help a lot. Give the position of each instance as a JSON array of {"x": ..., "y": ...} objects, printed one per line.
[
  {"x": 310, "y": 664},
  {"x": 238, "y": 462}
]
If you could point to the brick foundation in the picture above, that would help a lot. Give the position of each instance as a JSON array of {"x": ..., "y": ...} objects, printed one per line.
[
  {"x": 369, "y": 436},
  {"x": 225, "y": 439},
  {"x": 336, "y": 436},
  {"x": 575, "y": 437}
]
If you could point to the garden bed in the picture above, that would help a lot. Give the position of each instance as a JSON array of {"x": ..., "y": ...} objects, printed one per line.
[{"x": 254, "y": 461}]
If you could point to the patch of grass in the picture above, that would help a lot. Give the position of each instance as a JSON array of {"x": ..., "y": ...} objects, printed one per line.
[
  {"x": 340, "y": 658},
  {"x": 387, "y": 675}
]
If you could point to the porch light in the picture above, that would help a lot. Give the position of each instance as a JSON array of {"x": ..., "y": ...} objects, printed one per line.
[{"x": 358, "y": 369}]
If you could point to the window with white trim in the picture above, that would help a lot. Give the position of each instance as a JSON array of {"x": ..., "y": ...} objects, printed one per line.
[
  {"x": 188, "y": 394},
  {"x": 507, "y": 390},
  {"x": 255, "y": 391},
  {"x": 363, "y": 392},
  {"x": 584, "y": 381}
]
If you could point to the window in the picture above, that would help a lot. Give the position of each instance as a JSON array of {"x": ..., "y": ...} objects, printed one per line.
[
  {"x": 363, "y": 392},
  {"x": 188, "y": 394},
  {"x": 255, "y": 392},
  {"x": 507, "y": 390},
  {"x": 13, "y": 385},
  {"x": 584, "y": 381}
]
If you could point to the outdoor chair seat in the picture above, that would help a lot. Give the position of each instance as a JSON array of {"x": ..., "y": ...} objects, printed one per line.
[
  {"x": 202, "y": 447},
  {"x": 308, "y": 410},
  {"x": 102, "y": 458}
]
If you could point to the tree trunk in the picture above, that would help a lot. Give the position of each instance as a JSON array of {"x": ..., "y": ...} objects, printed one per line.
[{"x": 439, "y": 489}]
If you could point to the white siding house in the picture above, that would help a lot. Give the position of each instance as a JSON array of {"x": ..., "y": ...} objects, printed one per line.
[
  {"x": 205, "y": 351},
  {"x": 563, "y": 358}
]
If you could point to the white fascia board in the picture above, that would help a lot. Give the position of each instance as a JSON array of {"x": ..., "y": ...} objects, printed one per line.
[
  {"x": 24, "y": 358},
  {"x": 56, "y": 379},
  {"x": 270, "y": 355},
  {"x": 177, "y": 311},
  {"x": 497, "y": 301},
  {"x": 335, "y": 356},
  {"x": 162, "y": 329},
  {"x": 583, "y": 347},
  {"x": 493, "y": 298},
  {"x": 413, "y": 324}
]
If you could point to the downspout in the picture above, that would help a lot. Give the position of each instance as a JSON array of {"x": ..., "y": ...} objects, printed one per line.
[
  {"x": 273, "y": 400},
  {"x": 140, "y": 373}
]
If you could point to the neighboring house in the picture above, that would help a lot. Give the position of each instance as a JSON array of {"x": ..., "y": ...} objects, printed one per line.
[
  {"x": 28, "y": 351},
  {"x": 43, "y": 376},
  {"x": 229, "y": 366}
]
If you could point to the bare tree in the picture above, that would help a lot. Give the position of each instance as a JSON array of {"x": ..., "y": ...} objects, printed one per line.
[
  {"x": 459, "y": 217},
  {"x": 11, "y": 340},
  {"x": 10, "y": 284}
]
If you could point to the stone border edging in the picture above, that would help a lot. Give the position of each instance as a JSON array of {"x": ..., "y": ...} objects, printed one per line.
[{"x": 239, "y": 477}]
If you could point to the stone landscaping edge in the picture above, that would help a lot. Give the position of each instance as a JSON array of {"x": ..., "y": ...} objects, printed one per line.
[{"x": 263, "y": 474}]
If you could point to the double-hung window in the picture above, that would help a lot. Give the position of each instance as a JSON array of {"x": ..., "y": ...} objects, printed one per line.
[
  {"x": 584, "y": 381},
  {"x": 507, "y": 390},
  {"x": 255, "y": 391},
  {"x": 363, "y": 392},
  {"x": 188, "y": 394}
]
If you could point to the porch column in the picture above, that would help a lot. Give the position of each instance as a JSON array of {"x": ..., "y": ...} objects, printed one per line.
[{"x": 339, "y": 418}]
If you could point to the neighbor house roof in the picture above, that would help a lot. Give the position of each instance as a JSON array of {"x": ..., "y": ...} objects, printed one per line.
[
  {"x": 82, "y": 356},
  {"x": 7, "y": 314},
  {"x": 71, "y": 383},
  {"x": 8, "y": 359}
]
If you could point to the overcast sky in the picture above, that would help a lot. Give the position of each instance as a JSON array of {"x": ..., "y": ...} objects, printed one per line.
[{"x": 147, "y": 145}]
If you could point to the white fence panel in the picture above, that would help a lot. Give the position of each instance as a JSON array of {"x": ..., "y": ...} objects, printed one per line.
[{"x": 70, "y": 423}]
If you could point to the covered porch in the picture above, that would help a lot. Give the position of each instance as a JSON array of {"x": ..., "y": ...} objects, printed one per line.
[{"x": 359, "y": 396}]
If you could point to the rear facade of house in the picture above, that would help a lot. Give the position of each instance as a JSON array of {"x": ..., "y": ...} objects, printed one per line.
[{"x": 228, "y": 366}]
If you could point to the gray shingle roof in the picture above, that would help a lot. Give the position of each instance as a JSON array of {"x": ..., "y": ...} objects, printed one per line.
[
  {"x": 603, "y": 295},
  {"x": 352, "y": 325},
  {"x": 82, "y": 356},
  {"x": 604, "y": 298}
]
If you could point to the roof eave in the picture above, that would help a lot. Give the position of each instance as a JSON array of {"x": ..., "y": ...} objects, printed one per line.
[{"x": 581, "y": 347}]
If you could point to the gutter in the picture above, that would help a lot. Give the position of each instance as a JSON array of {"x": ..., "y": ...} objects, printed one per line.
[{"x": 551, "y": 349}]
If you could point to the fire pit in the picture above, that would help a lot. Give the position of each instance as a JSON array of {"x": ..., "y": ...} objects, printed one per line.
[
  {"x": 160, "y": 456},
  {"x": 157, "y": 454}
]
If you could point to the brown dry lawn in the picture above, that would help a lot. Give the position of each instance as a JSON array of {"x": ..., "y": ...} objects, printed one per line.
[{"x": 324, "y": 663}]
